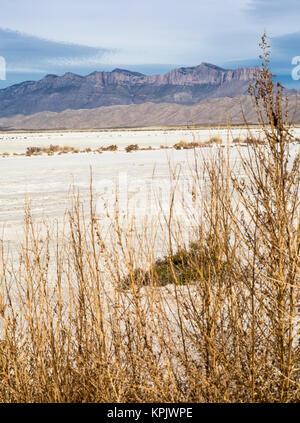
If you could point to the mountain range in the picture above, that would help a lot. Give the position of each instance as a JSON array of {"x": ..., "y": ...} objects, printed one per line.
[
  {"x": 185, "y": 86},
  {"x": 203, "y": 94}
]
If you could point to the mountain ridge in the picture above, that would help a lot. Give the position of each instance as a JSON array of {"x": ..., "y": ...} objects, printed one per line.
[{"x": 185, "y": 85}]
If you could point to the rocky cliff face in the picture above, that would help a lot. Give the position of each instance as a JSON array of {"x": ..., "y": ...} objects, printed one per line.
[
  {"x": 206, "y": 74},
  {"x": 122, "y": 87}
]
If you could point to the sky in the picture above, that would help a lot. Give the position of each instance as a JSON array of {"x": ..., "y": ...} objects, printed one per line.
[{"x": 39, "y": 37}]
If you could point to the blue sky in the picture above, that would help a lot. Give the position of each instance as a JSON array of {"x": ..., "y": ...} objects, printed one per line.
[{"x": 40, "y": 37}]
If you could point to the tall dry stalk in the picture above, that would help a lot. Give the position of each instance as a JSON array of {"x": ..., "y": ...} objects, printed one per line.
[{"x": 270, "y": 199}]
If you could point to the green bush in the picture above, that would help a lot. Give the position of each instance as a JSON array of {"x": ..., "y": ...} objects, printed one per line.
[{"x": 186, "y": 266}]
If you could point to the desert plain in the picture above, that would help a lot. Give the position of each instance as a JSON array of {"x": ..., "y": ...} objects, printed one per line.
[{"x": 47, "y": 181}]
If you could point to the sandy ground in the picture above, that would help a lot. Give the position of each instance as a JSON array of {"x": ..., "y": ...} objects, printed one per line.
[
  {"x": 48, "y": 180},
  {"x": 18, "y": 142}
]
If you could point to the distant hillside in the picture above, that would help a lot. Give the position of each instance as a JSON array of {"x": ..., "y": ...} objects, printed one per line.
[
  {"x": 185, "y": 86},
  {"x": 212, "y": 111}
]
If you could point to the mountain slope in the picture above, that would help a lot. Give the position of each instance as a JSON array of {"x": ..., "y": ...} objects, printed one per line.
[
  {"x": 212, "y": 111},
  {"x": 121, "y": 87}
]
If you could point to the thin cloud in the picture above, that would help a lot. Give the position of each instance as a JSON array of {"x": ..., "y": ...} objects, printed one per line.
[
  {"x": 265, "y": 9},
  {"x": 33, "y": 54}
]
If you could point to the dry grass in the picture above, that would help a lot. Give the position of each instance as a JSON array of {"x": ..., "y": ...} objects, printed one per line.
[
  {"x": 110, "y": 148},
  {"x": 59, "y": 150},
  {"x": 223, "y": 326},
  {"x": 214, "y": 140},
  {"x": 183, "y": 145},
  {"x": 132, "y": 147}
]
